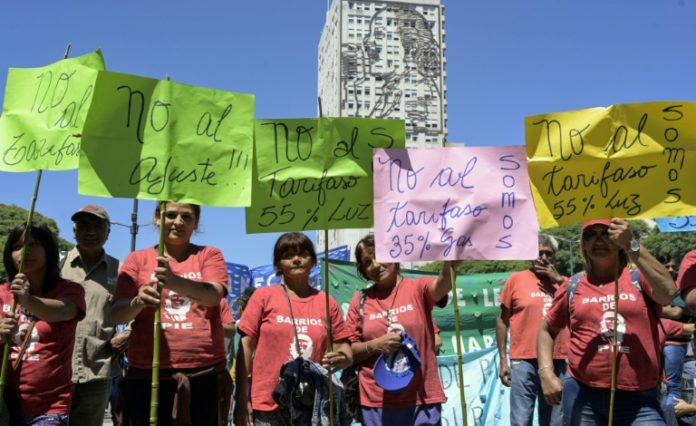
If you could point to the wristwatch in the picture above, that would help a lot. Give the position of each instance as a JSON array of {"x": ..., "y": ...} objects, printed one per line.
[{"x": 634, "y": 247}]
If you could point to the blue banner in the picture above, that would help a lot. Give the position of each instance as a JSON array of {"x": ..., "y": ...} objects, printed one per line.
[
  {"x": 677, "y": 224},
  {"x": 487, "y": 400}
]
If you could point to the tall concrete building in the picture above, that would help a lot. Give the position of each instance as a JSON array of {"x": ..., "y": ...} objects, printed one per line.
[{"x": 385, "y": 59}]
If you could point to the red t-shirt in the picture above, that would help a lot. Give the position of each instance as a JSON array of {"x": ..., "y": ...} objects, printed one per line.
[
  {"x": 225, "y": 313},
  {"x": 44, "y": 376},
  {"x": 672, "y": 329},
  {"x": 686, "y": 280},
  {"x": 410, "y": 307},
  {"x": 528, "y": 299},
  {"x": 268, "y": 319},
  {"x": 191, "y": 333},
  {"x": 589, "y": 352}
]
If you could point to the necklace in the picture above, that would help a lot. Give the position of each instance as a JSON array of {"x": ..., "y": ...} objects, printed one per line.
[{"x": 388, "y": 311}]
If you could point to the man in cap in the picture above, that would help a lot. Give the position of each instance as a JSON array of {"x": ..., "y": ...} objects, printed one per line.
[
  {"x": 96, "y": 345},
  {"x": 525, "y": 298}
]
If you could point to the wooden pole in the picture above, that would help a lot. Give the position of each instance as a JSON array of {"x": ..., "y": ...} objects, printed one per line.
[
  {"x": 460, "y": 360},
  {"x": 615, "y": 341},
  {"x": 157, "y": 332},
  {"x": 327, "y": 288}
]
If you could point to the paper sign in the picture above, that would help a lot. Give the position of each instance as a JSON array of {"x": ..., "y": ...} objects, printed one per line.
[
  {"x": 677, "y": 224},
  {"x": 153, "y": 139},
  {"x": 321, "y": 148},
  {"x": 626, "y": 160},
  {"x": 453, "y": 203},
  {"x": 44, "y": 109},
  {"x": 316, "y": 173}
]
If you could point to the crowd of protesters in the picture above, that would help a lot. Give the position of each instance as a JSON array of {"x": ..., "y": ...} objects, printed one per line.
[{"x": 565, "y": 347}]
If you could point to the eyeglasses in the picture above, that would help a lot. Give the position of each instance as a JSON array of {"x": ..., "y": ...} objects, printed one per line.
[{"x": 590, "y": 234}]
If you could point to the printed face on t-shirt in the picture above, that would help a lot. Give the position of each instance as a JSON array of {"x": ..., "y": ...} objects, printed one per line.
[
  {"x": 177, "y": 306},
  {"x": 306, "y": 346},
  {"x": 607, "y": 326},
  {"x": 18, "y": 339}
]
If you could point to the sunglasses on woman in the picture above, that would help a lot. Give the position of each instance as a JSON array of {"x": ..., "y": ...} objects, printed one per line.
[{"x": 590, "y": 234}]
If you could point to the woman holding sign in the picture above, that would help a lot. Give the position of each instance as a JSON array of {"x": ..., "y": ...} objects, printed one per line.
[
  {"x": 282, "y": 323},
  {"x": 187, "y": 283},
  {"x": 586, "y": 305},
  {"x": 42, "y": 332},
  {"x": 393, "y": 341}
]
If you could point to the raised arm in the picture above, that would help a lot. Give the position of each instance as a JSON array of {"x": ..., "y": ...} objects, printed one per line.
[
  {"x": 443, "y": 283},
  {"x": 49, "y": 310},
  {"x": 661, "y": 283}
]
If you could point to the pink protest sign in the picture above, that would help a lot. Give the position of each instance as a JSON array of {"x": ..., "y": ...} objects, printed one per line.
[{"x": 453, "y": 203}]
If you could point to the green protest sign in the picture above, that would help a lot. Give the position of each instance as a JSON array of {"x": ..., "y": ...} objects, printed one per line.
[
  {"x": 316, "y": 173},
  {"x": 160, "y": 140},
  {"x": 43, "y": 110},
  {"x": 477, "y": 298}
]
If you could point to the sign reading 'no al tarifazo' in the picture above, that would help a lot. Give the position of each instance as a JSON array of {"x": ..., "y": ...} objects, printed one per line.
[
  {"x": 315, "y": 173},
  {"x": 630, "y": 161},
  {"x": 453, "y": 203},
  {"x": 43, "y": 113}
]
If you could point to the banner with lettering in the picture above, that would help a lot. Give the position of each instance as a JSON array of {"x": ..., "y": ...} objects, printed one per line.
[
  {"x": 155, "y": 139},
  {"x": 453, "y": 203},
  {"x": 625, "y": 160},
  {"x": 477, "y": 295},
  {"x": 44, "y": 111},
  {"x": 487, "y": 400},
  {"x": 676, "y": 224},
  {"x": 316, "y": 173}
]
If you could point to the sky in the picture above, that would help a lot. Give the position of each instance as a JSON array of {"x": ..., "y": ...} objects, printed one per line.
[{"x": 506, "y": 59}]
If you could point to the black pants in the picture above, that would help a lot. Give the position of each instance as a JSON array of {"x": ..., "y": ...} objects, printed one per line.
[{"x": 205, "y": 400}]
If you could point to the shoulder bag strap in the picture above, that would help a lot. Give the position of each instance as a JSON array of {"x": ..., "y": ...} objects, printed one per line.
[{"x": 294, "y": 329}]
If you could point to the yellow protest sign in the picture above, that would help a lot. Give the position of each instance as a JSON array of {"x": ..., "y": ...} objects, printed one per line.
[
  {"x": 316, "y": 173},
  {"x": 44, "y": 109},
  {"x": 625, "y": 160},
  {"x": 161, "y": 140}
]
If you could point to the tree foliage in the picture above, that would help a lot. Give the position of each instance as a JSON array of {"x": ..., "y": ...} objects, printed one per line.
[
  {"x": 569, "y": 258},
  {"x": 11, "y": 216}
]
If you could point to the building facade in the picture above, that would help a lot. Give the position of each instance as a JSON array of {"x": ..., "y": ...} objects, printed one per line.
[{"x": 384, "y": 59}]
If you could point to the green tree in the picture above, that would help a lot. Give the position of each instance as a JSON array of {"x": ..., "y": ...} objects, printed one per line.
[
  {"x": 673, "y": 244},
  {"x": 482, "y": 266},
  {"x": 11, "y": 216}
]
